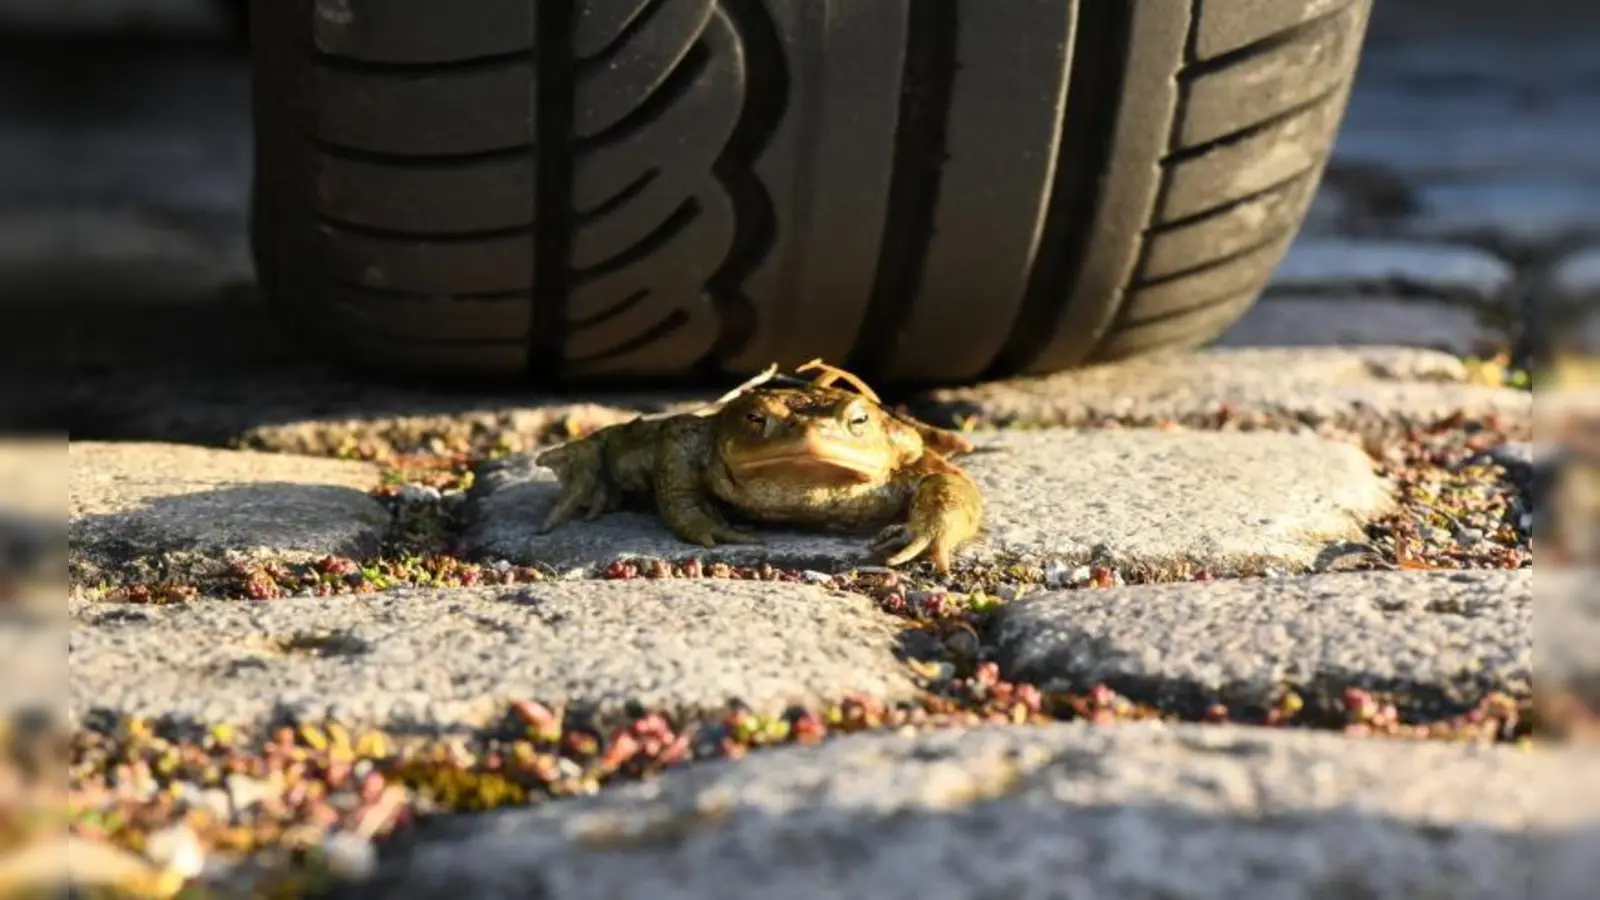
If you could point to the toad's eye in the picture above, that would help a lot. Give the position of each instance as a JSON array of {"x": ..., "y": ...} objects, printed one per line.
[{"x": 755, "y": 418}]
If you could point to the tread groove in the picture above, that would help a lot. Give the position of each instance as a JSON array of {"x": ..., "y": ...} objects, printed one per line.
[
  {"x": 623, "y": 305},
  {"x": 399, "y": 160},
  {"x": 624, "y": 35},
  {"x": 1199, "y": 68},
  {"x": 674, "y": 320},
  {"x": 398, "y": 71},
  {"x": 554, "y": 104},
  {"x": 1185, "y": 154},
  {"x": 1180, "y": 312},
  {"x": 676, "y": 86},
  {"x": 1098, "y": 58},
  {"x": 767, "y": 98},
  {"x": 446, "y": 237},
  {"x": 401, "y": 295},
  {"x": 926, "y": 91},
  {"x": 1166, "y": 226},
  {"x": 1211, "y": 264},
  {"x": 618, "y": 200},
  {"x": 659, "y": 236},
  {"x": 1125, "y": 310}
]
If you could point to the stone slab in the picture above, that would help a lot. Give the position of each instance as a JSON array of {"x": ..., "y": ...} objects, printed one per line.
[
  {"x": 33, "y": 477},
  {"x": 1357, "y": 321},
  {"x": 1472, "y": 106},
  {"x": 1585, "y": 337},
  {"x": 1350, "y": 388},
  {"x": 33, "y": 659},
  {"x": 129, "y": 503},
  {"x": 1567, "y": 628},
  {"x": 1138, "y": 811},
  {"x": 453, "y": 658},
  {"x": 1522, "y": 213},
  {"x": 1577, "y": 276},
  {"x": 1215, "y": 500},
  {"x": 1437, "y": 636},
  {"x": 1324, "y": 264},
  {"x": 1331, "y": 213}
]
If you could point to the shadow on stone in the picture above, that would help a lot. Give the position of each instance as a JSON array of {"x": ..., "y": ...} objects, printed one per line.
[{"x": 186, "y": 536}]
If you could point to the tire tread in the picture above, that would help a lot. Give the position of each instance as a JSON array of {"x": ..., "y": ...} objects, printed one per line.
[{"x": 658, "y": 188}]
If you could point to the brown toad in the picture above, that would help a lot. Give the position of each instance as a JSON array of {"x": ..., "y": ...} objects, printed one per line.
[{"x": 810, "y": 454}]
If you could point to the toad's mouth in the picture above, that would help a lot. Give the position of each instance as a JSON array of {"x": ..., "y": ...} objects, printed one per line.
[{"x": 815, "y": 457}]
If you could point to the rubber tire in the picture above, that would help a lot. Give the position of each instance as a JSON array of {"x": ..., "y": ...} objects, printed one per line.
[{"x": 925, "y": 192}]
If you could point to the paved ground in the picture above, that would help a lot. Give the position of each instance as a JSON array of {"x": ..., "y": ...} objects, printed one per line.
[{"x": 1254, "y": 622}]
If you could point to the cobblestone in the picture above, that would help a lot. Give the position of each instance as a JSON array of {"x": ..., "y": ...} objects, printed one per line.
[
  {"x": 1142, "y": 811},
  {"x": 1354, "y": 388},
  {"x": 1577, "y": 276},
  {"x": 1519, "y": 213},
  {"x": 150, "y": 510},
  {"x": 1437, "y": 637},
  {"x": 452, "y": 659},
  {"x": 1334, "y": 264},
  {"x": 1287, "y": 320}
]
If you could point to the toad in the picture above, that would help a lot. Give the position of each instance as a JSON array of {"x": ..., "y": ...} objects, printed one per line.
[{"x": 780, "y": 451}]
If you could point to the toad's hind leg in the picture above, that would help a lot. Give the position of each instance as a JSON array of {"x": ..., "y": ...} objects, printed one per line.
[{"x": 585, "y": 484}]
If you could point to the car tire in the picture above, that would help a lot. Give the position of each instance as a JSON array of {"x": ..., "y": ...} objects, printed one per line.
[{"x": 923, "y": 192}]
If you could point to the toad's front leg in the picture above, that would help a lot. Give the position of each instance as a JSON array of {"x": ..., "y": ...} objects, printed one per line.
[
  {"x": 946, "y": 512},
  {"x": 682, "y": 500}
]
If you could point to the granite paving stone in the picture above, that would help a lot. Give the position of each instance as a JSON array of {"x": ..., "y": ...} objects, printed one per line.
[
  {"x": 1343, "y": 265},
  {"x": 33, "y": 481},
  {"x": 1524, "y": 212},
  {"x": 1577, "y": 276},
  {"x": 1354, "y": 388},
  {"x": 1567, "y": 628},
  {"x": 1586, "y": 337},
  {"x": 33, "y": 660},
  {"x": 133, "y": 504},
  {"x": 1564, "y": 406},
  {"x": 1477, "y": 106},
  {"x": 1222, "y": 501},
  {"x": 1438, "y": 636},
  {"x": 453, "y": 658},
  {"x": 1280, "y": 320},
  {"x": 1136, "y": 811}
]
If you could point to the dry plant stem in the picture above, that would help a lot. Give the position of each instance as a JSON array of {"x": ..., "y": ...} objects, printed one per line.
[{"x": 830, "y": 374}]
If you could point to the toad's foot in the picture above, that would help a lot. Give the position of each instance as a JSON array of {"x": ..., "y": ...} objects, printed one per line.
[
  {"x": 585, "y": 485},
  {"x": 692, "y": 519},
  {"x": 944, "y": 515}
]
